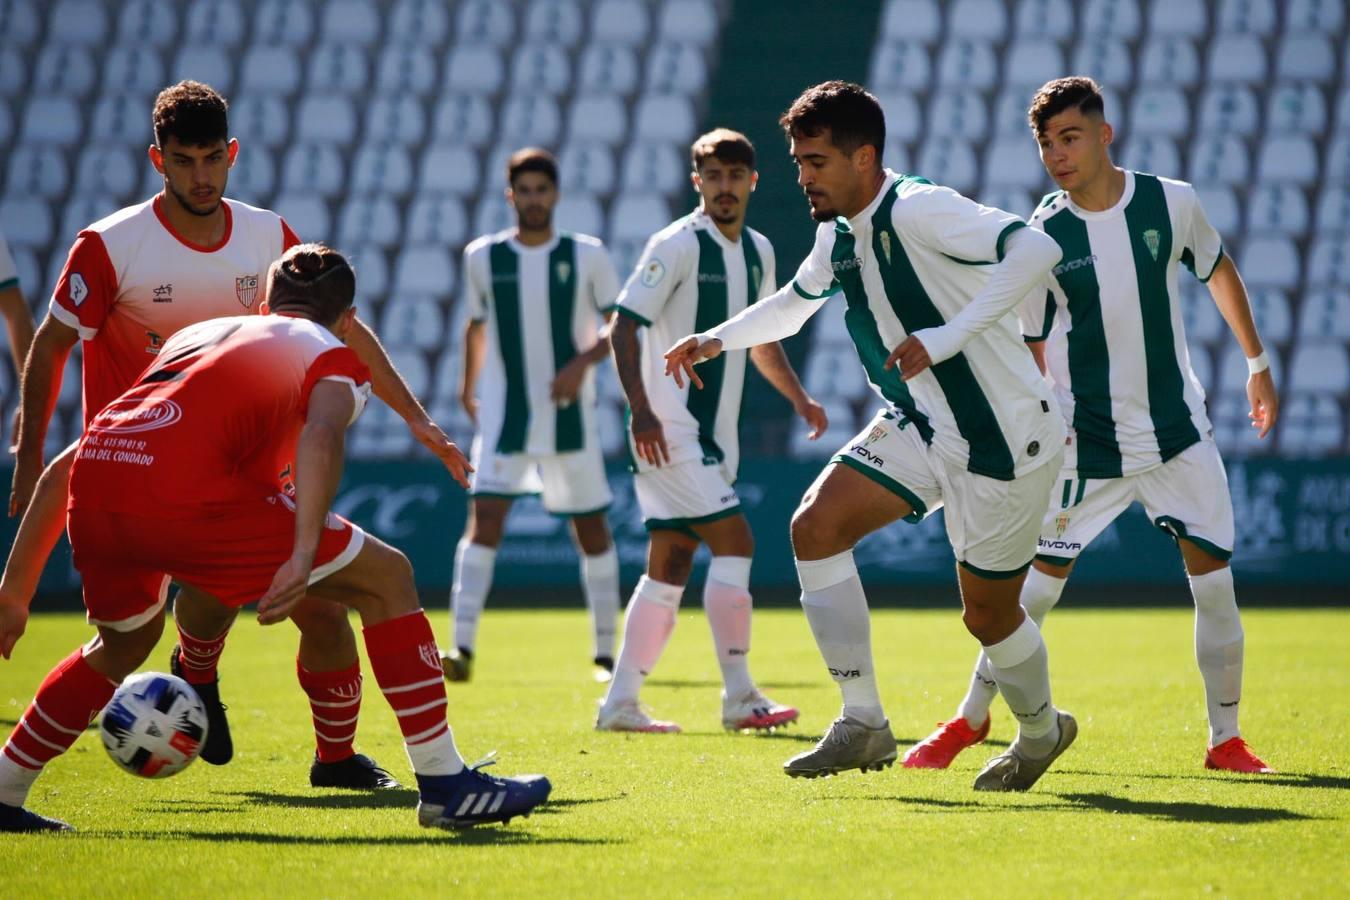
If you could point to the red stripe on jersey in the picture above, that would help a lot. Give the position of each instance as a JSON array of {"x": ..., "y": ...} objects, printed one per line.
[
  {"x": 224, "y": 238},
  {"x": 288, "y": 237},
  {"x": 340, "y": 362},
  {"x": 87, "y": 288}
]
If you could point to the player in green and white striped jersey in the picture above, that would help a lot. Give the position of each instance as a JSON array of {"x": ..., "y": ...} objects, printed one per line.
[
  {"x": 969, "y": 423},
  {"x": 535, "y": 298},
  {"x": 1109, "y": 332},
  {"x": 693, "y": 274}
]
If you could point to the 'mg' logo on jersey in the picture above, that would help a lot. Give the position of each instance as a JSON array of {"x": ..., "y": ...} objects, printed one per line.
[{"x": 1151, "y": 241}]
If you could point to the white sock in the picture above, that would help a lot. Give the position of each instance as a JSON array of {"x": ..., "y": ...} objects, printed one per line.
[
  {"x": 600, "y": 580},
  {"x": 1218, "y": 650},
  {"x": 438, "y": 756},
  {"x": 836, "y": 608},
  {"x": 726, "y": 601},
  {"x": 15, "y": 781},
  {"x": 1021, "y": 668},
  {"x": 646, "y": 629},
  {"x": 473, "y": 580},
  {"x": 1040, "y": 593}
]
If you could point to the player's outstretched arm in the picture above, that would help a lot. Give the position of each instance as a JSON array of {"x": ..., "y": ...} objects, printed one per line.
[
  {"x": 19, "y": 320},
  {"x": 567, "y": 383},
  {"x": 390, "y": 387},
  {"x": 41, "y": 384},
  {"x": 318, "y": 470},
  {"x": 648, "y": 435},
  {"x": 773, "y": 364},
  {"x": 475, "y": 345},
  {"x": 1230, "y": 295}
]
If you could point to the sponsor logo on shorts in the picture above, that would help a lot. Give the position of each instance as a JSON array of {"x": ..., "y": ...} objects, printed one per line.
[
  {"x": 131, "y": 416},
  {"x": 872, "y": 458},
  {"x": 1043, "y": 544},
  {"x": 727, "y": 498}
]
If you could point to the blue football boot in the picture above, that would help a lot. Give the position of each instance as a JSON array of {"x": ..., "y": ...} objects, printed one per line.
[{"x": 474, "y": 798}]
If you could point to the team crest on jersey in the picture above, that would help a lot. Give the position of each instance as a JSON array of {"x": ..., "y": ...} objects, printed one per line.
[
  {"x": 653, "y": 272},
  {"x": 885, "y": 238},
  {"x": 563, "y": 270},
  {"x": 1151, "y": 241},
  {"x": 877, "y": 433},
  {"x": 246, "y": 289},
  {"x": 1061, "y": 524}
]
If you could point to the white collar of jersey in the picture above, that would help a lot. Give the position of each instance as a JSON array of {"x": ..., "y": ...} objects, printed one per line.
[
  {"x": 546, "y": 247},
  {"x": 864, "y": 218},
  {"x": 705, "y": 221},
  {"x": 1125, "y": 197}
]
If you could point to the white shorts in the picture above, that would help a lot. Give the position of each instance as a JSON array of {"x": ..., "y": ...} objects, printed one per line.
[
  {"x": 1187, "y": 497},
  {"x": 691, "y": 493},
  {"x": 992, "y": 524},
  {"x": 572, "y": 484}
]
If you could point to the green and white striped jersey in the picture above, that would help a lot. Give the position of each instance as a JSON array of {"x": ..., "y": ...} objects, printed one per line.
[
  {"x": 1112, "y": 317},
  {"x": 542, "y": 306},
  {"x": 690, "y": 278},
  {"x": 913, "y": 259}
]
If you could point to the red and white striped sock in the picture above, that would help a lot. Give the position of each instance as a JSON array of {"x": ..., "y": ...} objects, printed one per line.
[
  {"x": 66, "y": 702},
  {"x": 407, "y": 667},
  {"x": 199, "y": 657},
  {"x": 335, "y": 702}
]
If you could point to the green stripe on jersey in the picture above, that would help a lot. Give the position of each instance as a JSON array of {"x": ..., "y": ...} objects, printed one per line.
[
  {"x": 1089, "y": 359},
  {"x": 504, "y": 265},
  {"x": 711, "y": 311},
  {"x": 1150, "y": 229},
  {"x": 975, "y": 419},
  {"x": 562, "y": 301},
  {"x": 862, "y": 327},
  {"x": 754, "y": 269}
]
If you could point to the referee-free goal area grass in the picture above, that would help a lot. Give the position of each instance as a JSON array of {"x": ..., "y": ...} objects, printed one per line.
[{"x": 1129, "y": 810}]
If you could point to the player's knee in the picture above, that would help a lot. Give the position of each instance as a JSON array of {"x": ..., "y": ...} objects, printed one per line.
[
  {"x": 120, "y": 653},
  {"x": 988, "y": 624},
  {"x": 322, "y": 618},
  {"x": 485, "y": 528},
  {"x": 675, "y": 566},
  {"x": 814, "y": 533}
]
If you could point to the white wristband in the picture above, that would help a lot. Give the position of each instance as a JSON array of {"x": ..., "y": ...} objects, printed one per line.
[{"x": 1258, "y": 364}]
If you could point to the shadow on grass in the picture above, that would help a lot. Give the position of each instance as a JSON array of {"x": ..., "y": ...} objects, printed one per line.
[
  {"x": 714, "y": 683},
  {"x": 1279, "y": 779},
  {"x": 389, "y": 799},
  {"x": 1194, "y": 813},
  {"x": 471, "y": 836}
]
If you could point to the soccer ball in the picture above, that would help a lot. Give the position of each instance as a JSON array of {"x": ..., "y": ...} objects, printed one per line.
[{"x": 154, "y": 726}]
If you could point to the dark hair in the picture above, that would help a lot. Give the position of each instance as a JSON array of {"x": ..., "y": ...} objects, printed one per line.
[
  {"x": 723, "y": 145},
  {"x": 852, "y": 115},
  {"x": 531, "y": 159},
  {"x": 192, "y": 112},
  {"x": 1075, "y": 92},
  {"x": 314, "y": 279}
]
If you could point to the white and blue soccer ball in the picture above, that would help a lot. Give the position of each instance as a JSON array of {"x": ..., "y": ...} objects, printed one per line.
[{"x": 154, "y": 726}]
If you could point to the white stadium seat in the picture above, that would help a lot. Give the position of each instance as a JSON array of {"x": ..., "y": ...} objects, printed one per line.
[
  {"x": 406, "y": 70},
  {"x": 27, "y": 221},
  {"x": 638, "y": 216},
  {"x": 337, "y": 68},
  {"x": 1168, "y": 61},
  {"x": 326, "y": 118},
  {"x": 901, "y": 65},
  {"x": 424, "y": 22},
  {"x": 147, "y": 23},
  {"x": 1152, "y": 154},
  {"x": 620, "y": 21},
  {"x": 1307, "y": 57},
  {"x": 1160, "y": 110},
  {"x": 485, "y": 22},
  {"x": 580, "y": 213},
  {"x": 1297, "y": 108},
  {"x": 914, "y": 20},
  {"x": 1218, "y": 160},
  {"x": 967, "y": 63},
  {"x": 1032, "y": 62},
  {"x": 1105, "y": 58},
  {"x": 474, "y": 68},
  {"x": 19, "y": 22},
  {"x": 122, "y": 119},
  {"x": 350, "y": 22},
  {"x": 397, "y": 119},
  {"x": 492, "y": 214},
  {"x": 316, "y": 168},
  {"x": 531, "y": 119},
  {"x": 1275, "y": 207},
  {"x": 1247, "y": 17},
  {"x": 663, "y": 118},
  {"x": 687, "y": 20},
  {"x": 379, "y": 168},
  {"x": 1337, "y": 166},
  {"x": 1233, "y": 373},
  {"x": 1229, "y": 109},
  {"x": 79, "y": 213},
  {"x": 1220, "y": 205},
  {"x": 676, "y": 69},
  {"x": 833, "y": 373},
  {"x": 1329, "y": 263},
  {"x": 252, "y": 179},
  {"x": 307, "y": 215},
  {"x": 56, "y": 120},
  {"x": 1323, "y": 366},
  {"x": 896, "y": 155},
  {"x": 64, "y": 69},
  {"x": 977, "y": 19},
  {"x": 1271, "y": 261},
  {"x": 654, "y": 166},
  {"x": 1178, "y": 17},
  {"x": 372, "y": 273},
  {"x": 1044, "y": 18},
  {"x": 904, "y": 122},
  {"x": 1202, "y": 364},
  {"x": 586, "y": 167},
  {"x": 136, "y": 70},
  {"x": 261, "y": 119},
  {"x": 215, "y": 22},
  {"x": 540, "y": 68},
  {"x": 950, "y": 162},
  {"x": 437, "y": 220},
  {"x": 269, "y": 69},
  {"x": 1018, "y": 201},
  {"x": 1013, "y": 162},
  {"x": 285, "y": 22},
  {"x": 1333, "y": 209},
  {"x": 13, "y": 73},
  {"x": 1237, "y": 58},
  {"x": 1324, "y": 16},
  {"x": 953, "y": 112},
  {"x": 109, "y": 170},
  {"x": 1325, "y": 313},
  {"x": 371, "y": 219},
  {"x": 449, "y": 169},
  {"x": 464, "y": 119},
  {"x": 212, "y": 65},
  {"x": 607, "y": 69},
  {"x": 554, "y": 22},
  {"x": 1311, "y": 426},
  {"x": 424, "y": 269},
  {"x": 81, "y": 22},
  {"x": 36, "y": 171},
  {"x": 1270, "y": 308},
  {"x": 1291, "y": 158},
  {"x": 412, "y": 321}
]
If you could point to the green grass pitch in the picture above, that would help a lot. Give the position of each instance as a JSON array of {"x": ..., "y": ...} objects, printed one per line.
[{"x": 1128, "y": 810}]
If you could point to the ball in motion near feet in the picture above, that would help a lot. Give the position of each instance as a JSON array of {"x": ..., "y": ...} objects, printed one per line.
[{"x": 154, "y": 726}]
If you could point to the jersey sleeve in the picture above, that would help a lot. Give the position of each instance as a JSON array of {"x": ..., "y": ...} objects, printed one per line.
[
  {"x": 815, "y": 276},
  {"x": 1036, "y": 313},
  {"x": 87, "y": 289},
  {"x": 604, "y": 280},
  {"x": 340, "y": 364},
  {"x": 289, "y": 238},
  {"x": 475, "y": 288},
  {"x": 9, "y": 273},
  {"x": 1203, "y": 247},
  {"x": 659, "y": 272},
  {"x": 768, "y": 282},
  {"x": 955, "y": 225}
]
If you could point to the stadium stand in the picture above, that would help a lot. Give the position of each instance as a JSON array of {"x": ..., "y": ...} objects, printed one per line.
[{"x": 382, "y": 125}]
